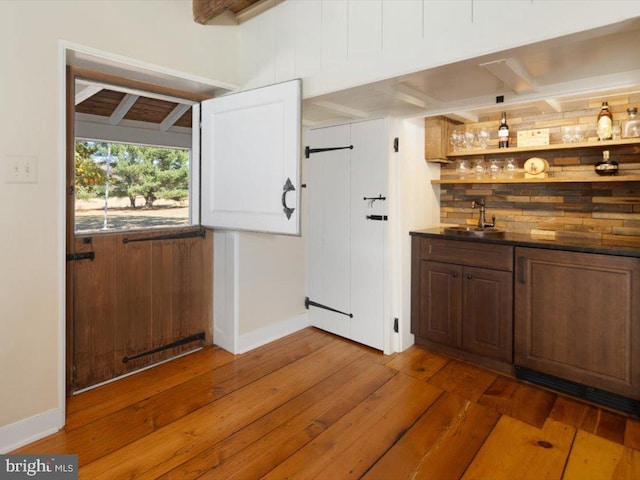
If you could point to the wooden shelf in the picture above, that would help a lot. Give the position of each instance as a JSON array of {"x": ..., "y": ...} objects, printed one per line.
[
  {"x": 538, "y": 148},
  {"x": 562, "y": 179}
]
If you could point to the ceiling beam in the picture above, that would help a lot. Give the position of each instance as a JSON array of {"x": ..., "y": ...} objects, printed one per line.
[
  {"x": 341, "y": 109},
  {"x": 205, "y": 10},
  {"x": 512, "y": 74},
  {"x": 174, "y": 116},
  {"x": 238, "y": 11},
  {"x": 87, "y": 92},
  {"x": 121, "y": 110}
]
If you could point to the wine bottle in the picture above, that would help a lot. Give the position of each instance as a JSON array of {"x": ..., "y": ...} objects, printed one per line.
[
  {"x": 503, "y": 132},
  {"x": 605, "y": 123}
]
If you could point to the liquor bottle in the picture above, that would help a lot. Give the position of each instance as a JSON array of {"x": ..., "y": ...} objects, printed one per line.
[
  {"x": 630, "y": 128},
  {"x": 606, "y": 166},
  {"x": 503, "y": 132},
  {"x": 605, "y": 123}
]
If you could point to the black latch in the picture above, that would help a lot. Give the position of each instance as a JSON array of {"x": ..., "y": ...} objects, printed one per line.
[
  {"x": 81, "y": 256},
  {"x": 395, "y": 325},
  {"x": 382, "y": 218}
]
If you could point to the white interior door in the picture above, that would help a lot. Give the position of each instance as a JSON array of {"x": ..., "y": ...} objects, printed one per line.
[
  {"x": 328, "y": 180},
  {"x": 251, "y": 160},
  {"x": 346, "y": 250}
]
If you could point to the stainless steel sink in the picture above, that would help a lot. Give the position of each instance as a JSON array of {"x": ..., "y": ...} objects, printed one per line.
[{"x": 469, "y": 231}]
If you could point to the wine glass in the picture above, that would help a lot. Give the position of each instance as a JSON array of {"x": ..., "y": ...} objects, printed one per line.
[
  {"x": 495, "y": 168},
  {"x": 463, "y": 168},
  {"x": 483, "y": 137},
  {"x": 468, "y": 138},
  {"x": 510, "y": 167},
  {"x": 479, "y": 169}
]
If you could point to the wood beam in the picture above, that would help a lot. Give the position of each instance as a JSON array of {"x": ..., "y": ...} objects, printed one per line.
[
  {"x": 122, "y": 109},
  {"x": 87, "y": 92},
  {"x": 205, "y": 10},
  {"x": 174, "y": 116},
  {"x": 240, "y": 10}
]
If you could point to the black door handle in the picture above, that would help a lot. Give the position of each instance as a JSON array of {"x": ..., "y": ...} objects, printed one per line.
[{"x": 286, "y": 188}]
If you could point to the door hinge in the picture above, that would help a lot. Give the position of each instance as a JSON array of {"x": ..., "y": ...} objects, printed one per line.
[
  {"x": 396, "y": 144},
  {"x": 310, "y": 303},
  {"x": 308, "y": 151},
  {"x": 395, "y": 325}
]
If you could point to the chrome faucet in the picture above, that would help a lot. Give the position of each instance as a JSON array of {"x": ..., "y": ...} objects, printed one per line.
[{"x": 482, "y": 223}]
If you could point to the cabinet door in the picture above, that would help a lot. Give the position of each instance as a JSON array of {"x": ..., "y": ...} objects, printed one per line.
[
  {"x": 251, "y": 160},
  {"x": 488, "y": 313},
  {"x": 437, "y": 302},
  {"x": 577, "y": 317}
]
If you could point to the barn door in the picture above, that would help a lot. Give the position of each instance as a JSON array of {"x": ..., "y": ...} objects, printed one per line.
[
  {"x": 250, "y": 160},
  {"x": 139, "y": 267},
  {"x": 347, "y": 229}
]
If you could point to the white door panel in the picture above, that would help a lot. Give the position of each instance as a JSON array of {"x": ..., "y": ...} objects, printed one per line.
[
  {"x": 250, "y": 148},
  {"x": 329, "y": 230},
  {"x": 368, "y": 179}
]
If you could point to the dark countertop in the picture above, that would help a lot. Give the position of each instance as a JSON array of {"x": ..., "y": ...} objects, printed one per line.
[{"x": 524, "y": 240}]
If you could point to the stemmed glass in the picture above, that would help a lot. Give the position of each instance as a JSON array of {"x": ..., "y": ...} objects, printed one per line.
[
  {"x": 483, "y": 137},
  {"x": 456, "y": 139},
  {"x": 463, "y": 168},
  {"x": 479, "y": 169},
  {"x": 495, "y": 168},
  {"x": 510, "y": 167}
]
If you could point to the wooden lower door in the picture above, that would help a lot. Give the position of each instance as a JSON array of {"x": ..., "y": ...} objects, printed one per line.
[{"x": 132, "y": 294}]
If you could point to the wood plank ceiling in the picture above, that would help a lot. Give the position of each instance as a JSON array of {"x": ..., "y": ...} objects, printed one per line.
[{"x": 122, "y": 106}]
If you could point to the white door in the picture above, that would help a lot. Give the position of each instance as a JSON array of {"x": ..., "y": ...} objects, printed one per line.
[
  {"x": 250, "y": 160},
  {"x": 368, "y": 231},
  {"x": 347, "y": 230},
  {"x": 329, "y": 225}
]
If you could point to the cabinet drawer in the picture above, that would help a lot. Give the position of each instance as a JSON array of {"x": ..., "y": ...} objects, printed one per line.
[{"x": 474, "y": 254}]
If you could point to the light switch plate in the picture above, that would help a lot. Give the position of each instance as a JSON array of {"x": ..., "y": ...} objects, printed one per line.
[{"x": 21, "y": 169}]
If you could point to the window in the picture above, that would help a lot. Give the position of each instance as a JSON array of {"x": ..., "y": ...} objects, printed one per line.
[{"x": 134, "y": 165}]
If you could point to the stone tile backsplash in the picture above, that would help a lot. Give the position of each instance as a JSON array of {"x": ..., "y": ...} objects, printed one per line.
[{"x": 608, "y": 212}]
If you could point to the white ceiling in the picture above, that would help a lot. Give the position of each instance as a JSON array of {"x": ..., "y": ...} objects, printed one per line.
[{"x": 554, "y": 75}]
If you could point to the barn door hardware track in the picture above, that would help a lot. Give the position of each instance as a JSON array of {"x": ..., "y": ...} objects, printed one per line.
[
  {"x": 310, "y": 303},
  {"x": 177, "y": 343},
  {"x": 308, "y": 151},
  {"x": 172, "y": 236}
]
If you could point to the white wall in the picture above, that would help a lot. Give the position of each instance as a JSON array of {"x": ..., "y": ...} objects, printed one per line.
[
  {"x": 337, "y": 44},
  {"x": 32, "y": 280}
]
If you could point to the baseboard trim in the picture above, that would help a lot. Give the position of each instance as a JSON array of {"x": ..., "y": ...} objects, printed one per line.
[
  {"x": 23, "y": 432},
  {"x": 260, "y": 337}
]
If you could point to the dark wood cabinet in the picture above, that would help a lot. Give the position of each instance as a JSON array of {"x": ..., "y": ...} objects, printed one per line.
[
  {"x": 577, "y": 317},
  {"x": 462, "y": 296},
  {"x": 488, "y": 313},
  {"x": 439, "y": 303}
]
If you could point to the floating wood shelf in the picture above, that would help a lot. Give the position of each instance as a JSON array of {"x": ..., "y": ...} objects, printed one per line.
[
  {"x": 562, "y": 179},
  {"x": 558, "y": 146}
]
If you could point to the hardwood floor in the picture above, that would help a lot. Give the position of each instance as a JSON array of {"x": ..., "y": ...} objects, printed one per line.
[{"x": 316, "y": 406}]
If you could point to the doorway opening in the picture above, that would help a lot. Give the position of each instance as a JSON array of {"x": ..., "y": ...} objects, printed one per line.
[{"x": 139, "y": 266}]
